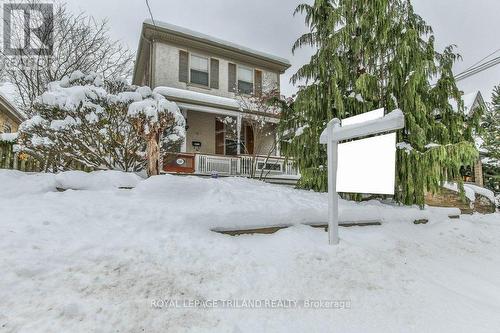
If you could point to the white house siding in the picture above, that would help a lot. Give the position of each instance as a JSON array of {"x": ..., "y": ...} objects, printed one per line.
[
  {"x": 202, "y": 129},
  {"x": 166, "y": 71},
  {"x": 264, "y": 145}
]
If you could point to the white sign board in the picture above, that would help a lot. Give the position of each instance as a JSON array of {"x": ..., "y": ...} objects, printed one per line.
[
  {"x": 367, "y": 165},
  {"x": 360, "y": 118}
]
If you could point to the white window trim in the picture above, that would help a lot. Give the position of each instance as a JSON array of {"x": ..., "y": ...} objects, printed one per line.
[
  {"x": 269, "y": 163},
  {"x": 248, "y": 68},
  {"x": 208, "y": 68},
  {"x": 238, "y": 78}
]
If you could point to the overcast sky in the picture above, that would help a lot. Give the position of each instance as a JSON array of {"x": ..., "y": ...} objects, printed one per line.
[{"x": 268, "y": 25}]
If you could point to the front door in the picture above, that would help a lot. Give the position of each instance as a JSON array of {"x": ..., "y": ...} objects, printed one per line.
[
  {"x": 220, "y": 135},
  {"x": 226, "y": 142},
  {"x": 248, "y": 140}
]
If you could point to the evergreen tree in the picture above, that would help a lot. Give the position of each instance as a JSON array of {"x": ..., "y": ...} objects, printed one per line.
[
  {"x": 491, "y": 145},
  {"x": 373, "y": 54}
]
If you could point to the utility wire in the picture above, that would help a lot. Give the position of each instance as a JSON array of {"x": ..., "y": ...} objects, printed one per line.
[
  {"x": 472, "y": 69},
  {"x": 478, "y": 69},
  {"x": 151, "y": 14},
  {"x": 480, "y": 61}
]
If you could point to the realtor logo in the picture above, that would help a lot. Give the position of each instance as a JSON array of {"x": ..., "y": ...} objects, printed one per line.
[{"x": 28, "y": 29}]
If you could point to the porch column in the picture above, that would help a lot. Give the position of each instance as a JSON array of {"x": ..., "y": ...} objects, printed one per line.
[
  {"x": 238, "y": 134},
  {"x": 184, "y": 142},
  {"x": 278, "y": 148}
]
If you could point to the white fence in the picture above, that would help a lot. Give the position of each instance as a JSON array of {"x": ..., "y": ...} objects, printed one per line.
[{"x": 245, "y": 165}]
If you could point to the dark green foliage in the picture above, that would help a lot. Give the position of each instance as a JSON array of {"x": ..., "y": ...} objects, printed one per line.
[
  {"x": 373, "y": 54},
  {"x": 491, "y": 135}
]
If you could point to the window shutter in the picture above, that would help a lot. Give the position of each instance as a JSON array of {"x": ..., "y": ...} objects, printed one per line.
[
  {"x": 258, "y": 82},
  {"x": 231, "y": 79},
  {"x": 214, "y": 73},
  {"x": 183, "y": 66}
]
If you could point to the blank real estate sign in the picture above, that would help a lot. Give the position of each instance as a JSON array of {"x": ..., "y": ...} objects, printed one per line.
[{"x": 367, "y": 165}]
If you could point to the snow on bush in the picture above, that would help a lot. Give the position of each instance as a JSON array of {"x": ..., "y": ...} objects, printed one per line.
[
  {"x": 151, "y": 115},
  {"x": 87, "y": 120},
  {"x": 8, "y": 137}
]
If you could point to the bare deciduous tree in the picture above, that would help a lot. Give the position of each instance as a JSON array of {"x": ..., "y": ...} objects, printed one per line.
[
  {"x": 80, "y": 43},
  {"x": 258, "y": 112}
]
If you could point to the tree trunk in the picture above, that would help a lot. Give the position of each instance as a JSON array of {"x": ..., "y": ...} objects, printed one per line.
[{"x": 153, "y": 155}]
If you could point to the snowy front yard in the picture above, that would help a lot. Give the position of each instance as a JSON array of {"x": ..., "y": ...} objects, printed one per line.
[{"x": 94, "y": 258}]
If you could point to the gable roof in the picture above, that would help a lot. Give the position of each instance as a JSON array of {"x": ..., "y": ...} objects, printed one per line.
[
  {"x": 471, "y": 102},
  {"x": 180, "y": 31},
  {"x": 173, "y": 33}
]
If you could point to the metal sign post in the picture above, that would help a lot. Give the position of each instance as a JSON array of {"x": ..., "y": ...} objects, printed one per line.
[{"x": 332, "y": 135}]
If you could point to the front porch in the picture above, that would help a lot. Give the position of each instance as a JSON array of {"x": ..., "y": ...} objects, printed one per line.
[
  {"x": 268, "y": 168},
  {"x": 224, "y": 139}
]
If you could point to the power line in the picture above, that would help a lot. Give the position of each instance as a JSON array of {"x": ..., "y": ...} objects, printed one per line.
[
  {"x": 478, "y": 69},
  {"x": 151, "y": 13},
  {"x": 472, "y": 69},
  {"x": 480, "y": 61}
]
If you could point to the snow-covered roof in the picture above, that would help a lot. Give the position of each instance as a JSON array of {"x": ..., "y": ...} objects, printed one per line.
[
  {"x": 10, "y": 108},
  {"x": 198, "y": 101},
  {"x": 184, "y": 95},
  {"x": 174, "y": 29},
  {"x": 471, "y": 102}
]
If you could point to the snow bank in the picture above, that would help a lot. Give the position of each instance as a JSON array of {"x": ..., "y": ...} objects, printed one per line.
[
  {"x": 94, "y": 261},
  {"x": 254, "y": 203},
  {"x": 482, "y": 191},
  {"x": 469, "y": 193},
  {"x": 233, "y": 202},
  {"x": 471, "y": 190},
  {"x": 257, "y": 204},
  {"x": 16, "y": 183},
  {"x": 98, "y": 180}
]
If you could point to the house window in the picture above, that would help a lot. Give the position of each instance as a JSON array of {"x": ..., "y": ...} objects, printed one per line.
[
  {"x": 7, "y": 128},
  {"x": 226, "y": 138},
  {"x": 199, "y": 70},
  {"x": 245, "y": 80}
]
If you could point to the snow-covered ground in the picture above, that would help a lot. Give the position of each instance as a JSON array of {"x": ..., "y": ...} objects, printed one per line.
[{"x": 95, "y": 257}]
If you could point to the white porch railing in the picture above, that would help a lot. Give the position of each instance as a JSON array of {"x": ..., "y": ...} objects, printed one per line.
[
  {"x": 208, "y": 164},
  {"x": 244, "y": 164}
]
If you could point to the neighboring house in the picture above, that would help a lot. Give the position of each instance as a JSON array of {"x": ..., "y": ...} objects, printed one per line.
[
  {"x": 478, "y": 199},
  {"x": 10, "y": 117},
  {"x": 472, "y": 102},
  {"x": 209, "y": 78}
]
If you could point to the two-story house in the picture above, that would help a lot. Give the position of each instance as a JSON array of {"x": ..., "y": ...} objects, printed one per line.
[{"x": 209, "y": 78}]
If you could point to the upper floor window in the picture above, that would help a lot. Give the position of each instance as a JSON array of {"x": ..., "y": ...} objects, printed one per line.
[
  {"x": 199, "y": 70},
  {"x": 245, "y": 80}
]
